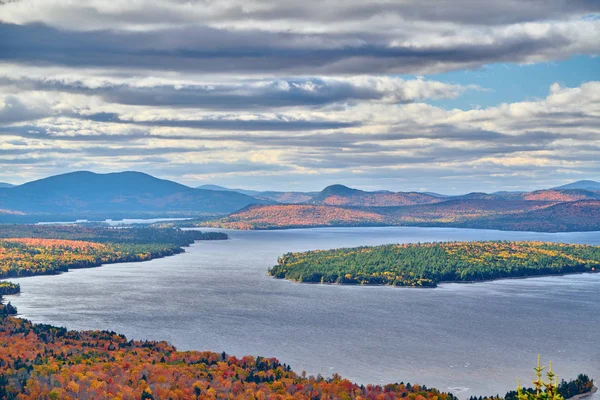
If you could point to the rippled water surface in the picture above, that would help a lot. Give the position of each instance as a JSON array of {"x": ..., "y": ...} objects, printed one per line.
[{"x": 469, "y": 338}]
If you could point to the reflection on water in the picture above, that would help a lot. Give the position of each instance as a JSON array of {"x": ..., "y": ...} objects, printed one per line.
[{"x": 471, "y": 338}]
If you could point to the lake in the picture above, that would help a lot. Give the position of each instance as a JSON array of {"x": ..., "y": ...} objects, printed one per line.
[{"x": 472, "y": 339}]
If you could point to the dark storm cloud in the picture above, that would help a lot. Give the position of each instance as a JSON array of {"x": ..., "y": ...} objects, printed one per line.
[{"x": 203, "y": 49}]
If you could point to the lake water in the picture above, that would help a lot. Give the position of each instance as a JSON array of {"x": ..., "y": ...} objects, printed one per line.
[{"x": 469, "y": 338}]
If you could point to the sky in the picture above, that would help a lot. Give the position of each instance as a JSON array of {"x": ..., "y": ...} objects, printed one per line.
[{"x": 451, "y": 96}]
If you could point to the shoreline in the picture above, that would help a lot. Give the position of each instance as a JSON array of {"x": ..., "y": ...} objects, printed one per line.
[
  {"x": 584, "y": 395},
  {"x": 54, "y": 273},
  {"x": 281, "y": 228},
  {"x": 439, "y": 283},
  {"x": 176, "y": 252}
]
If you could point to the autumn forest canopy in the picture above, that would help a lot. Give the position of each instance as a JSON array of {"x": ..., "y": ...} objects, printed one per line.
[
  {"x": 48, "y": 249},
  {"x": 427, "y": 264}
]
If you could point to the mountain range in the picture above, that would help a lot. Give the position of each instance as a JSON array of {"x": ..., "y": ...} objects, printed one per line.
[
  {"x": 86, "y": 194},
  {"x": 550, "y": 210}
]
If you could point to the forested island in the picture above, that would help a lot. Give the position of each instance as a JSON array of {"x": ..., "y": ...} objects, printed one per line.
[
  {"x": 427, "y": 264},
  {"x": 27, "y": 250}
]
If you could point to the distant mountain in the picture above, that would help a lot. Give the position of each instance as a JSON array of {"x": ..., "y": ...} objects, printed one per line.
[
  {"x": 87, "y": 192},
  {"x": 561, "y": 195},
  {"x": 224, "y": 189},
  {"x": 549, "y": 195},
  {"x": 340, "y": 195},
  {"x": 287, "y": 197},
  {"x": 585, "y": 185},
  {"x": 279, "y": 197},
  {"x": 6, "y": 185},
  {"x": 478, "y": 196},
  {"x": 296, "y": 216},
  {"x": 434, "y": 194},
  {"x": 215, "y": 187},
  {"x": 562, "y": 217},
  {"x": 550, "y": 210}
]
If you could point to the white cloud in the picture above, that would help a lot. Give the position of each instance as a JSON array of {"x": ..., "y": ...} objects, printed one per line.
[{"x": 524, "y": 139}]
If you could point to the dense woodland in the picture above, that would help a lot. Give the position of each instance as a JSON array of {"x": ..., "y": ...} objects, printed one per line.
[
  {"x": 27, "y": 257},
  {"x": 46, "y": 362},
  {"x": 425, "y": 265},
  {"x": 28, "y": 250},
  {"x": 8, "y": 288}
]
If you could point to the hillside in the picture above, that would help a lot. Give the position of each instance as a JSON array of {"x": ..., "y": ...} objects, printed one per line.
[
  {"x": 484, "y": 214},
  {"x": 561, "y": 195},
  {"x": 129, "y": 192},
  {"x": 339, "y": 195},
  {"x": 458, "y": 210},
  {"x": 295, "y": 216},
  {"x": 46, "y": 362},
  {"x": 562, "y": 217}
]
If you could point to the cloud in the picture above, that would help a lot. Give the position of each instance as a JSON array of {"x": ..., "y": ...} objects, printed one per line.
[
  {"x": 251, "y": 94},
  {"x": 221, "y": 51},
  {"x": 256, "y": 124},
  {"x": 523, "y": 139},
  {"x": 297, "y": 16},
  {"x": 296, "y": 93},
  {"x": 13, "y": 110}
]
